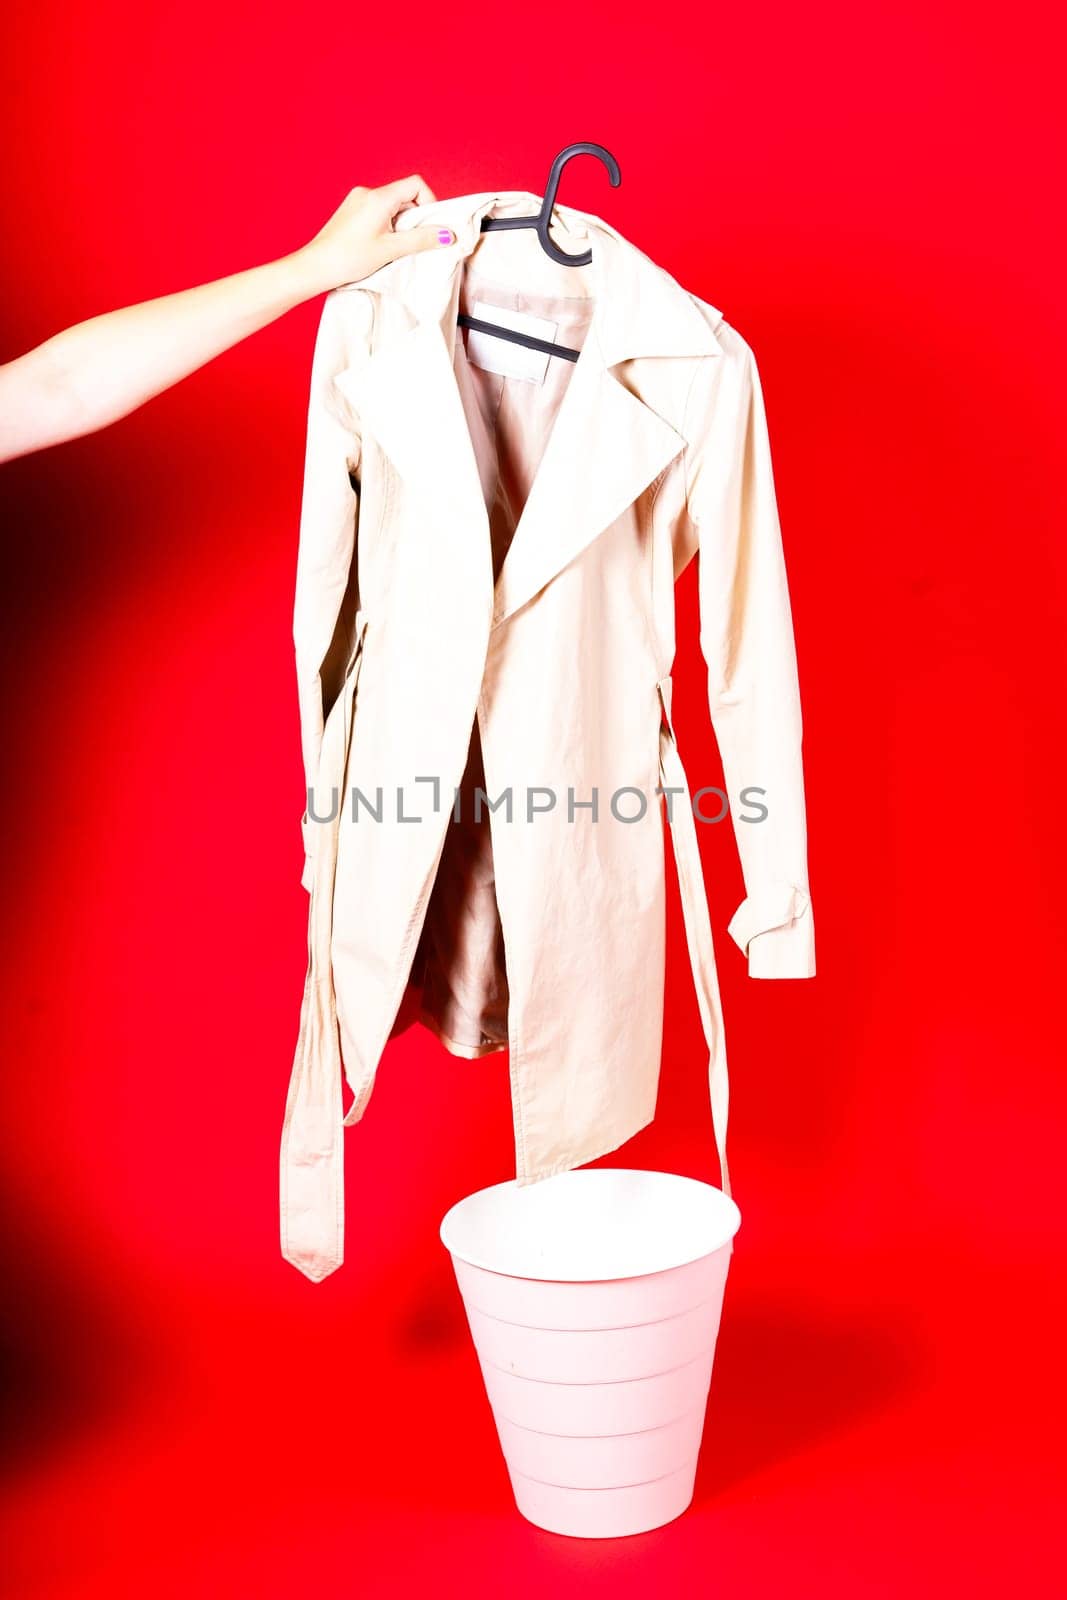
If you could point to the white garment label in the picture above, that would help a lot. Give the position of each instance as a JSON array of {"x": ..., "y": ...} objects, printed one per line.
[{"x": 501, "y": 355}]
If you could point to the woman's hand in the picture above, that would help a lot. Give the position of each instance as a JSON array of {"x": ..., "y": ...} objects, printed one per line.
[
  {"x": 92, "y": 374},
  {"x": 358, "y": 238}
]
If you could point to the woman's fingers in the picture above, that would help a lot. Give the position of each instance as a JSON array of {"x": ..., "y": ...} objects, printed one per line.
[
  {"x": 404, "y": 195},
  {"x": 359, "y": 237},
  {"x": 407, "y": 191},
  {"x": 427, "y": 236}
]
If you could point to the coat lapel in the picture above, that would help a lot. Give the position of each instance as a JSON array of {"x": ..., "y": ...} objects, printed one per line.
[
  {"x": 606, "y": 445},
  {"x": 406, "y": 396}
]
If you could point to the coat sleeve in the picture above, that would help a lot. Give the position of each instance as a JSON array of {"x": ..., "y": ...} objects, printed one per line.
[
  {"x": 747, "y": 641},
  {"x": 325, "y": 595}
]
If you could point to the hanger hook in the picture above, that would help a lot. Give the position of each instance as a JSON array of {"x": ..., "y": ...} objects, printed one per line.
[{"x": 583, "y": 148}]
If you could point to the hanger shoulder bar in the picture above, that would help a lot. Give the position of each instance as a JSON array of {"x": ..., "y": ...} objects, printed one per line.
[{"x": 527, "y": 339}]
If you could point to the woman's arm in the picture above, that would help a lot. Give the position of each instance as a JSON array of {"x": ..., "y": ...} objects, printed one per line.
[{"x": 102, "y": 369}]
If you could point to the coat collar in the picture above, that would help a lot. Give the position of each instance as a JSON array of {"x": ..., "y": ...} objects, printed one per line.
[
  {"x": 643, "y": 311},
  {"x": 606, "y": 445}
]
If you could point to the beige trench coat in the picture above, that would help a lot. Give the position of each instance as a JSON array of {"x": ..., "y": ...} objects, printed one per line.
[{"x": 484, "y": 630}]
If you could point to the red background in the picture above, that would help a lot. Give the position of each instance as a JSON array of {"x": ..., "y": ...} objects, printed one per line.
[{"x": 872, "y": 195}]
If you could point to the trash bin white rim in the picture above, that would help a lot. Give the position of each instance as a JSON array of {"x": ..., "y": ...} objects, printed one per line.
[{"x": 648, "y": 1222}]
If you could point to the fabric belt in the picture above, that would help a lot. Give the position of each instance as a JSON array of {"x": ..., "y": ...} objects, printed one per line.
[
  {"x": 312, "y": 1152},
  {"x": 312, "y": 1148},
  {"x": 697, "y": 922}
]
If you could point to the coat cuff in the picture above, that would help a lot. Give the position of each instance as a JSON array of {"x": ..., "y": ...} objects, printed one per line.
[{"x": 775, "y": 929}]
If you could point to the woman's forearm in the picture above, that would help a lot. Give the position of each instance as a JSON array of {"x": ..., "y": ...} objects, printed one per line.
[{"x": 92, "y": 374}]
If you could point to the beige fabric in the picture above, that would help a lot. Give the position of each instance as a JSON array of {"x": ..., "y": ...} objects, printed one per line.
[{"x": 485, "y": 598}]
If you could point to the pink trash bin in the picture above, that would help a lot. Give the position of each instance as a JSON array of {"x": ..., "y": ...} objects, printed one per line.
[{"x": 594, "y": 1299}]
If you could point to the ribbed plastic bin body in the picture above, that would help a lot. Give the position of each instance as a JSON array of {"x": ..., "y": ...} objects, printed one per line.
[{"x": 594, "y": 1300}]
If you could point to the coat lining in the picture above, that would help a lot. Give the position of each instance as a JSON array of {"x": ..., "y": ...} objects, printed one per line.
[{"x": 459, "y": 969}]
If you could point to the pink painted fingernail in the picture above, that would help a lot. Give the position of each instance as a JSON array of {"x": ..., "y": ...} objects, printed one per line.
[{"x": 445, "y": 236}]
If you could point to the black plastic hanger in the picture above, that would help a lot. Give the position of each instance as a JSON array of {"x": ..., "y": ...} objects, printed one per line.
[{"x": 540, "y": 222}]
